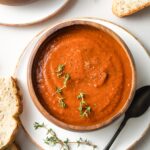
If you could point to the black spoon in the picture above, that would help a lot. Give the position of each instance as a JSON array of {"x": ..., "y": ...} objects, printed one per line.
[{"x": 139, "y": 105}]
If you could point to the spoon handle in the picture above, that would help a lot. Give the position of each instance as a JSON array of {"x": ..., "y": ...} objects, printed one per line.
[{"x": 116, "y": 134}]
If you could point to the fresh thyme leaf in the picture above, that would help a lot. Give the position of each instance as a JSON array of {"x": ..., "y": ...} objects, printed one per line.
[
  {"x": 81, "y": 141},
  {"x": 62, "y": 103},
  {"x": 88, "y": 109},
  {"x": 82, "y": 105},
  {"x": 84, "y": 109},
  {"x": 66, "y": 78},
  {"x": 80, "y": 108},
  {"x": 50, "y": 131},
  {"x": 66, "y": 141},
  {"x": 60, "y": 68},
  {"x": 38, "y": 125},
  {"x": 59, "y": 74},
  {"x": 81, "y": 95},
  {"x": 59, "y": 90},
  {"x": 52, "y": 139},
  {"x": 86, "y": 112},
  {"x": 83, "y": 102}
]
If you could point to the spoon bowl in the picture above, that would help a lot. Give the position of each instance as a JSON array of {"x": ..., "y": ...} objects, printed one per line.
[{"x": 140, "y": 103}]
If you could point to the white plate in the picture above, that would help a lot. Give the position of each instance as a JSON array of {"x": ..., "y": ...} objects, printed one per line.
[
  {"x": 132, "y": 132},
  {"x": 30, "y": 13}
]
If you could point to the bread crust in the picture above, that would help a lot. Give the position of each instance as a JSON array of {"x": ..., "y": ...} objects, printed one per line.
[
  {"x": 118, "y": 10},
  {"x": 16, "y": 94}
]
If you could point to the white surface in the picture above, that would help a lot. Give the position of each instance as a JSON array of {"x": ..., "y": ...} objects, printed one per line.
[
  {"x": 30, "y": 13},
  {"x": 138, "y": 24},
  {"x": 99, "y": 137}
]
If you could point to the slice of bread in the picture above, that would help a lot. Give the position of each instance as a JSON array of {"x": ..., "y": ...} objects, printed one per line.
[
  {"x": 10, "y": 109},
  {"x": 127, "y": 7},
  {"x": 13, "y": 147}
]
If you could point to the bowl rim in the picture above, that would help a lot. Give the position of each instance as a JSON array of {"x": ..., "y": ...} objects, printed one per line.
[{"x": 42, "y": 109}]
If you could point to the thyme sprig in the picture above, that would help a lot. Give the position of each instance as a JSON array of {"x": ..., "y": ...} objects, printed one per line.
[
  {"x": 86, "y": 112},
  {"x": 62, "y": 102},
  {"x": 81, "y": 96},
  {"x": 52, "y": 139},
  {"x": 60, "y": 69},
  {"x": 59, "y": 90},
  {"x": 84, "y": 108},
  {"x": 66, "y": 78}
]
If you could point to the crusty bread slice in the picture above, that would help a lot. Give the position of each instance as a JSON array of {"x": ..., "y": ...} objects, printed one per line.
[
  {"x": 127, "y": 7},
  {"x": 13, "y": 147},
  {"x": 10, "y": 108}
]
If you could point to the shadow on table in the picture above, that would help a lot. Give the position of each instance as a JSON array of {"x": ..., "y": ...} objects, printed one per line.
[{"x": 145, "y": 13}]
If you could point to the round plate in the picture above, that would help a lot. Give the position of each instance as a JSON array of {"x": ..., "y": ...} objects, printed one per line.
[
  {"x": 31, "y": 13},
  {"x": 134, "y": 129}
]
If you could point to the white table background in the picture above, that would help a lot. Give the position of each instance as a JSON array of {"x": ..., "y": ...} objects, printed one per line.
[{"x": 13, "y": 40}]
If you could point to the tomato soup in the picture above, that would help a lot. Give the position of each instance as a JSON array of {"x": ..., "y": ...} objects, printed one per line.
[{"x": 83, "y": 75}]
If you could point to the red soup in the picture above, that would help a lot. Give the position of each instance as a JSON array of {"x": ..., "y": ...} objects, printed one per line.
[{"x": 83, "y": 76}]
